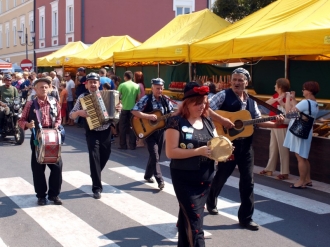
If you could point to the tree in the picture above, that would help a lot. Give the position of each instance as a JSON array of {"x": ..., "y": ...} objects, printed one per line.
[{"x": 234, "y": 10}]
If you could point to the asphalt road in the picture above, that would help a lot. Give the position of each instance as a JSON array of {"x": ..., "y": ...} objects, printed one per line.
[{"x": 132, "y": 213}]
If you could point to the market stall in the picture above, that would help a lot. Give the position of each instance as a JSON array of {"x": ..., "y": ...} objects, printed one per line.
[
  {"x": 57, "y": 58},
  {"x": 100, "y": 53}
]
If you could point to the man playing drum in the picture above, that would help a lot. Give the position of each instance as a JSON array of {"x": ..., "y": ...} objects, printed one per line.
[{"x": 50, "y": 118}]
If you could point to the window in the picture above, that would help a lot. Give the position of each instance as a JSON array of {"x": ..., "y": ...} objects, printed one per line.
[
  {"x": 0, "y": 6},
  {"x": 14, "y": 35},
  {"x": 7, "y": 5},
  {"x": 41, "y": 22},
  {"x": 0, "y": 37},
  {"x": 23, "y": 33},
  {"x": 7, "y": 37},
  {"x": 54, "y": 24},
  {"x": 14, "y": 3},
  {"x": 42, "y": 27},
  {"x": 69, "y": 19},
  {"x": 31, "y": 24},
  {"x": 182, "y": 10},
  {"x": 54, "y": 12}
]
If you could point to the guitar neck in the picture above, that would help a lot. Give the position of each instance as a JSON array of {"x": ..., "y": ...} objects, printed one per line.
[{"x": 258, "y": 120}]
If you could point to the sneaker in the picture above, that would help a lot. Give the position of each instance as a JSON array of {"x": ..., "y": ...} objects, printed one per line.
[
  {"x": 42, "y": 201},
  {"x": 251, "y": 225},
  {"x": 55, "y": 199},
  {"x": 97, "y": 195},
  {"x": 161, "y": 185}
]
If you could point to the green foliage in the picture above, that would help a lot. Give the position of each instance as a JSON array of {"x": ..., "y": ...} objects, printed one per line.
[{"x": 234, "y": 10}]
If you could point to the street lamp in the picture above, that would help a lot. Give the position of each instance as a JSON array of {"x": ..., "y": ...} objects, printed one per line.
[{"x": 20, "y": 34}]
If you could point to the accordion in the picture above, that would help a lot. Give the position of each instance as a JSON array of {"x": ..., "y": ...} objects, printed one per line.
[{"x": 101, "y": 107}]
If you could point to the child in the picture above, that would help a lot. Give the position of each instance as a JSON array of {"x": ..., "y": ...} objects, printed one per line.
[{"x": 63, "y": 101}]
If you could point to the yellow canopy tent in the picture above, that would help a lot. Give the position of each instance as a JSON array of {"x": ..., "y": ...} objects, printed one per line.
[
  {"x": 101, "y": 52},
  {"x": 171, "y": 43},
  {"x": 285, "y": 27},
  {"x": 57, "y": 58}
]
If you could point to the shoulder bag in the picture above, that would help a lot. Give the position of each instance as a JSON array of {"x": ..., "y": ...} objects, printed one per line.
[{"x": 302, "y": 125}]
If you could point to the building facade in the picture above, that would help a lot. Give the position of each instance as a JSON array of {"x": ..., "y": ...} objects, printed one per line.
[
  {"x": 61, "y": 21},
  {"x": 16, "y": 24}
]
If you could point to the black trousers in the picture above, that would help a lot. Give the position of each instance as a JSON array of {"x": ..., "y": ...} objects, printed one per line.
[
  {"x": 99, "y": 149},
  {"x": 39, "y": 179},
  {"x": 125, "y": 128},
  {"x": 155, "y": 145},
  {"x": 244, "y": 160},
  {"x": 191, "y": 189}
]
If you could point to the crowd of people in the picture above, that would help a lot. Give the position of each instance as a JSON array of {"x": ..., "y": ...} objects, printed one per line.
[{"x": 196, "y": 178}]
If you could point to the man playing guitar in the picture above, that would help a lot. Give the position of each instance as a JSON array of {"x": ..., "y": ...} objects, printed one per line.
[{"x": 143, "y": 109}]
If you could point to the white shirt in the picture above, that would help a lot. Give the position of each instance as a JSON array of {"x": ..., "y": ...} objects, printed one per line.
[
  {"x": 56, "y": 82},
  {"x": 69, "y": 85}
]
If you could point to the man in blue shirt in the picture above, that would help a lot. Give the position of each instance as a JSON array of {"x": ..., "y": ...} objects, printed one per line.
[{"x": 104, "y": 79}]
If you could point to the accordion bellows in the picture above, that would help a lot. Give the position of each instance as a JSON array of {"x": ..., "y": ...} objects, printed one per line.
[{"x": 101, "y": 107}]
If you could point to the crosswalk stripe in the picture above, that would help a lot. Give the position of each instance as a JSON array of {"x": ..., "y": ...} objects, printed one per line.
[
  {"x": 226, "y": 207},
  {"x": 2, "y": 244},
  {"x": 151, "y": 217},
  {"x": 286, "y": 197},
  {"x": 281, "y": 196},
  {"x": 76, "y": 233}
]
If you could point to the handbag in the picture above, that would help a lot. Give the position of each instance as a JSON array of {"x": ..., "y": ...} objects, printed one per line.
[{"x": 302, "y": 125}]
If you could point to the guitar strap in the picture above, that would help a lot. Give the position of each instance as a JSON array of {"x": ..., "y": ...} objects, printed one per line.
[{"x": 268, "y": 106}]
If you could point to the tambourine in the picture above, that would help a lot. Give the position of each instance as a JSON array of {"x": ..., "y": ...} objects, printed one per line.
[{"x": 221, "y": 148}]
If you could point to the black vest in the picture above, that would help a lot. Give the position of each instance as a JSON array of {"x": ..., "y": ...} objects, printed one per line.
[
  {"x": 192, "y": 163},
  {"x": 149, "y": 108},
  {"x": 232, "y": 102}
]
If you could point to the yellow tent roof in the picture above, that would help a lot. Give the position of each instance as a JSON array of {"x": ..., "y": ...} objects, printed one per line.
[
  {"x": 285, "y": 27},
  {"x": 101, "y": 52},
  {"x": 171, "y": 43},
  {"x": 57, "y": 58}
]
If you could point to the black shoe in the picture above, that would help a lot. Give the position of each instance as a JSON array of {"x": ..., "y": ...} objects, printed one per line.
[
  {"x": 213, "y": 211},
  {"x": 55, "y": 199},
  {"x": 161, "y": 185},
  {"x": 42, "y": 201},
  {"x": 149, "y": 180},
  {"x": 97, "y": 195},
  {"x": 250, "y": 225}
]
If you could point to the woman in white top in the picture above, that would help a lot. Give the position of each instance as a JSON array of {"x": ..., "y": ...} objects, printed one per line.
[{"x": 299, "y": 146}]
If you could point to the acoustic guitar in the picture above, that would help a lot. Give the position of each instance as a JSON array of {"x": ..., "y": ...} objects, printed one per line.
[
  {"x": 144, "y": 127},
  {"x": 243, "y": 123}
]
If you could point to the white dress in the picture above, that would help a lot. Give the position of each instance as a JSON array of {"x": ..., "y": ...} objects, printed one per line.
[{"x": 294, "y": 143}]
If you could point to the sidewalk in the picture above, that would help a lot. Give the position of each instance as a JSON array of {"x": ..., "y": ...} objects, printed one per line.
[{"x": 292, "y": 178}]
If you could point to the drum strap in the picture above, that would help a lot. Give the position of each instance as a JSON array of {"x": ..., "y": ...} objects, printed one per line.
[
  {"x": 53, "y": 111},
  {"x": 36, "y": 107}
]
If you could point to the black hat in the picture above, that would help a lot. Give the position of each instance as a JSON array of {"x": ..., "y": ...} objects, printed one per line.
[
  {"x": 93, "y": 76},
  {"x": 7, "y": 77},
  {"x": 242, "y": 71},
  {"x": 157, "y": 81},
  {"x": 42, "y": 80},
  {"x": 193, "y": 89},
  {"x": 81, "y": 69}
]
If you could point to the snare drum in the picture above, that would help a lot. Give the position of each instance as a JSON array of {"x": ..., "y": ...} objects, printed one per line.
[
  {"x": 221, "y": 148},
  {"x": 48, "y": 150}
]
